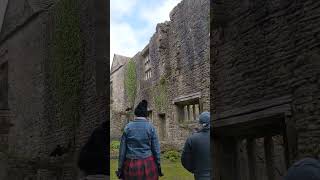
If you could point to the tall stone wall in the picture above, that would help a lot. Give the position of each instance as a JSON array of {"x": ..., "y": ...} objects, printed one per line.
[
  {"x": 268, "y": 50},
  {"x": 118, "y": 102},
  {"x": 189, "y": 43},
  {"x": 263, "y": 50},
  {"x": 179, "y": 58},
  {"x": 32, "y": 41},
  {"x": 24, "y": 53}
]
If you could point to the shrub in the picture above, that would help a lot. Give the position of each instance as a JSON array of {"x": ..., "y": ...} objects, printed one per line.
[
  {"x": 115, "y": 145},
  {"x": 172, "y": 155}
]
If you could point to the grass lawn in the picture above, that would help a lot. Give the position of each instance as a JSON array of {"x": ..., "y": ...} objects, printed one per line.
[{"x": 171, "y": 170}]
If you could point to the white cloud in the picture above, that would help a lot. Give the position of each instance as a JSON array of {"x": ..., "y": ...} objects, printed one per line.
[
  {"x": 123, "y": 39},
  {"x": 128, "y": 40},
  {"x": 157, "y": 14},
  {"x": 119, "y": 8}
]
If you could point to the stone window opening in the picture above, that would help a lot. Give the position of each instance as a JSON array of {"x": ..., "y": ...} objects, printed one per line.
[
  {"x": 150, "y": 115},
  {"x": 147, "y": 65},
  {"x": 190, "y": 112},
  {"x": 147, "y": 60},
  {"x": 148, "y": 74},
  {"x": 162, "y": 128},
  {"x": 188, "y": 108}
]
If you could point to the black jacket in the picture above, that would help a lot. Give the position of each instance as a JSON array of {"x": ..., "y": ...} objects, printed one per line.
[
  {"x": 196, "y": 154},
  {"x": 305, "y": 169},
  {"x": 94, "y": 157}
]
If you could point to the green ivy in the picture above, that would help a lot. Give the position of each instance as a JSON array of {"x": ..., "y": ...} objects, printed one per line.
[
  {"x": 130, "y": 82},
  {"x": 160, "y": 94},
  {"x": 66, "y": 58}
]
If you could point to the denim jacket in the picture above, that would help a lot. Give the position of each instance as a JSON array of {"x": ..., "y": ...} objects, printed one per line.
[{"x": 139, "y": 140}]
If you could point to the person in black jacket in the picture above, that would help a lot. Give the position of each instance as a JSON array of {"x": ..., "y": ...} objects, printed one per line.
[
  {"x": 94, "y": 156},
  {"x": 196, "y": 152},
  {"x": 305, "y": 169}
]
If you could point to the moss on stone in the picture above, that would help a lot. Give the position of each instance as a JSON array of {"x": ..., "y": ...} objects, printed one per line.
[
  {"x": 160, "y": 94},
  {"x": 66, "y": 61},
  {"x": 130, "y": 82}
]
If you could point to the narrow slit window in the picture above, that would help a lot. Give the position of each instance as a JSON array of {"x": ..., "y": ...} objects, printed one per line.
[{"x": 147, "y": 67}]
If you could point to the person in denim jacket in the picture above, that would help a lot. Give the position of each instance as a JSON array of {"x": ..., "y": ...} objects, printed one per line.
[{"x": 139, "y": 155}]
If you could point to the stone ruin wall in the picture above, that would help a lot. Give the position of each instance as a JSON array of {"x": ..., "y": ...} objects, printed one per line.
[
  {"x": 267, "y": 50},
  {"x": 179, "y": 53},
  {"x": 25, "y": 80},
  {"x": 118, "y": 100},
  {"x": 262, "y": 50},
  {"x": 25, "y": 43}
]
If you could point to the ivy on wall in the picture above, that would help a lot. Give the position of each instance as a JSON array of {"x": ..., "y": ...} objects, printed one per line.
[
  {"x": 160, "y": 95},
  {"x": 130, "y": 82},
  {"x": 66, "y": 61}
]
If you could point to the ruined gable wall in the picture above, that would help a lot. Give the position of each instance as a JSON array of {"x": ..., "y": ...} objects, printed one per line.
[
  {"x": 117, "y": 79},
  {"x": 118, "y": 104},
  {"x": 267, "y": 49}
]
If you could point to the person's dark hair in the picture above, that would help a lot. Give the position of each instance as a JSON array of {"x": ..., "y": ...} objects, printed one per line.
[
  {"x": 142, "y": 109},
  {"x": 93, "y": 158}
]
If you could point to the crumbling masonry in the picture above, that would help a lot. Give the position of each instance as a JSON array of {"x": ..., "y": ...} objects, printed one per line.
[{"x": 171, "y": 73}]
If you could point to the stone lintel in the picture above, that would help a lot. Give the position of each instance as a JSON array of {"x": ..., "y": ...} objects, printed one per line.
[
  {"x": 255, "y": 107},
  {"x": 187, "y": 98}
]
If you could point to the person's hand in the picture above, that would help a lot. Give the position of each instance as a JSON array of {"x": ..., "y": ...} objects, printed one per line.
[
  {"x": 160, "y": 171},
  {"x": 119, "y": 173}
]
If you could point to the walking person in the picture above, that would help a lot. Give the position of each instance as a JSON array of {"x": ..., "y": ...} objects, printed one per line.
[
  {"x": 305, "y": 169},
  {"x": 196, "y": 152},
  {"x": 93, "y": 160},
  {"x": 139, "y": 155}
]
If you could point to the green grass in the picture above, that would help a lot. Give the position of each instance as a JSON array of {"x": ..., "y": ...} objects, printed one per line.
[{"x": 171, "y": 170}]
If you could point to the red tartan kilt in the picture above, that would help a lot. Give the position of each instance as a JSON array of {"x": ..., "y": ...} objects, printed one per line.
[{"x": 140, "y": 169}]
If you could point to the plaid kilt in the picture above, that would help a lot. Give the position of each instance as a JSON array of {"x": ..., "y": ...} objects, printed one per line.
[{"x": 140, "y": 169}]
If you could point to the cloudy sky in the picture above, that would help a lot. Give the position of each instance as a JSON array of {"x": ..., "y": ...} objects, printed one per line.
[{"x": 134, "y": 21}]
